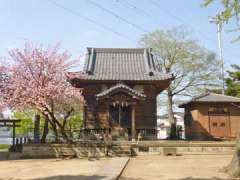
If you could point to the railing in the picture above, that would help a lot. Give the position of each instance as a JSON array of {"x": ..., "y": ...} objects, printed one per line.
[
  {"x": 21, "y": 140},
  {"x": 100, "y": 133}
]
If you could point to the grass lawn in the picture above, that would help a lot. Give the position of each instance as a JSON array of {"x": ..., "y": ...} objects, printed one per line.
[{"x": 4, "y": 146}]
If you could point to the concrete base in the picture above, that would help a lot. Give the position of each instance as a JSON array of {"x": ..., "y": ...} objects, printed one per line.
[{"x": 97, "y": 149}]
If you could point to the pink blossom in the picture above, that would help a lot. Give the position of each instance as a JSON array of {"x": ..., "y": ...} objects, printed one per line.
[{"x": 37, "y": 79}]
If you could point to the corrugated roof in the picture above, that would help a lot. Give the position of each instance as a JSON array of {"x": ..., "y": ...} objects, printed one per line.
[
  {"x": 212, "y": 97},
  {"x": 121, "y": 64},
  {"x": 120, "y": 87}
]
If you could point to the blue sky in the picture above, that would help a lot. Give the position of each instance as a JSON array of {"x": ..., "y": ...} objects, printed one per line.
[{"x": 44, "y": 22}]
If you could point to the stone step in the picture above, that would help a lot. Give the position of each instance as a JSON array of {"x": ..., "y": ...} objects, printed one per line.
[
  {"x": 14, "y": 155},
  {"x": 4, "y": 155},
  {"x": 121, "y": 147},
  {"x": 121, "y": 151}
]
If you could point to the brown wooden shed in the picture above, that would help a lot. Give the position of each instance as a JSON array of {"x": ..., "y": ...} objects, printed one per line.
[
  {"x": 120, "y": 86},
  {"x": 212, "y": 116}
]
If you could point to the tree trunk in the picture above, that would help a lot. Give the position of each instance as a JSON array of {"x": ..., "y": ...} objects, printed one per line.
[
  {"x": 55, "y": 125},
  {"x": 37, "y": 129},
  {"x": 64, "y": 134},
  {"x": 55, "y": 131},
  {"x": 233, "y": 168},
  {"x": 61, "y": 128},
  {"x": 172, "y": 120},
  {"x": 45, "y": 131}
]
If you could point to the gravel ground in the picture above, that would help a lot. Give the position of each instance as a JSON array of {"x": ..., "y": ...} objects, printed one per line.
[
  {"x": 52, "y": 169},
  {"x": 188, "y": 167}
]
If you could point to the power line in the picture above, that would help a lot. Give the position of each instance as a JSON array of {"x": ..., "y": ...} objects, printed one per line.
[
  {"x": 155, "y": 2},
  {"x": 117, "y": 16},
  {"x": 103, "y": 26},
  {"x": 181, "y": 20},
  {"x": 137, "y": 10}
]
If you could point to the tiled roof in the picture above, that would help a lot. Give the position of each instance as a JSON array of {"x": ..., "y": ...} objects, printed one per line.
[
  {"x": 120, "y": 64},
  {"x": 212, "y": 97},
  {"x": 120, "y": 87}
]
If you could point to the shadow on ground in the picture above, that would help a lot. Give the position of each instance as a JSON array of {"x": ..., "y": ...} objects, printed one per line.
[
  {"x": 124, "y": 178},
  {"x": 187, "y": 178},
  {"x": 67, "y": 177},
  {"x": 212, "y": 178}
]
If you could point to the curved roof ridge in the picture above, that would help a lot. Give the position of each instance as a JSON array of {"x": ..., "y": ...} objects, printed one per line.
[{"x": 119, "y": 86}]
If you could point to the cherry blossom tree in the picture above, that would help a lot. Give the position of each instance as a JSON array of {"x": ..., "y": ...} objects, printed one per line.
[{"x": 36, "y": 79}]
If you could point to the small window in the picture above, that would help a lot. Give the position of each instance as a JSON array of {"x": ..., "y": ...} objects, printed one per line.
[
  {"x": 218, "y": 110},
  {"x": 222, "y": 125},
  {"x": 214, "y": 124},
  {"x": 211, "y": 109}
]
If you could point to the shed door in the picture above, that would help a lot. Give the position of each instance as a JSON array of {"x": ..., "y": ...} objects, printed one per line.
[{"x": 219, "y": 125}]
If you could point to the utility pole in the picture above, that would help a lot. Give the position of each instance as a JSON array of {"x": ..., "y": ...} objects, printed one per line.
[{"x": 217, "y": 20}]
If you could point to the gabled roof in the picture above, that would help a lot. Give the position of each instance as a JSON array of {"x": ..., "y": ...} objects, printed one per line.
[
  {"x": 120, "y": 64},
  {"x": 212, "y": 97},
  {"x": 121, "y": 88}
]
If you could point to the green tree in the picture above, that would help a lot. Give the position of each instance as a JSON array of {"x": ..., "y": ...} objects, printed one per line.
[
  {"x": 233, "y": 82},
  {"x": 26, "y": 124},
  {"x": 194, "y": 67},
  {"x": 231, "y": 8},
  {"x": 72, "y": 123},
  {"x": 230, "y": 11}
]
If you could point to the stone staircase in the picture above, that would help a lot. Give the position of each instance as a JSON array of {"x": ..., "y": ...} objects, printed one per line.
[{"x": 121, "y": 150}]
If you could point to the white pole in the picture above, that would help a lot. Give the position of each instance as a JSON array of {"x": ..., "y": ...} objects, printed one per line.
[
  {"x": 217, "y": 21},
  {"x": 219, "y": 32}
]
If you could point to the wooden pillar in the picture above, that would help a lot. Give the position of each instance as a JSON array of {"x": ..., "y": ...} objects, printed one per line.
[
  {"x": 133, "y": 123},
  {"x": 108, "y": 117}
]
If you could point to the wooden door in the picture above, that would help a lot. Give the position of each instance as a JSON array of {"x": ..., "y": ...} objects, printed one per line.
[
  {"x": 120, "y": 116},
  {"x": 114, "y": 116},
  {"x": 219, "y": 125},
  {"x": 126, "y": 117}
]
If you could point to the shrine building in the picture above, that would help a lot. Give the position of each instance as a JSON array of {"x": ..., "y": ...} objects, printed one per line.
[{"x": 120, "y": 87}]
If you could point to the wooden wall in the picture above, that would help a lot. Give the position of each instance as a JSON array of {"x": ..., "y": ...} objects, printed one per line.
[
  {"x": 235, "y": 121},
  {"x": 197, "y": 123},
  {"x": 96, "y": 113}
]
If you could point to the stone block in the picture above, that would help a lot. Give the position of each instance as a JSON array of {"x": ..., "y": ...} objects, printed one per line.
[
  {"x": 228, "y": 149},
  {"x": 195, "y": 149},
  {"x": 167, "y": 151},
  {"x": 182, "y": 149}
]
